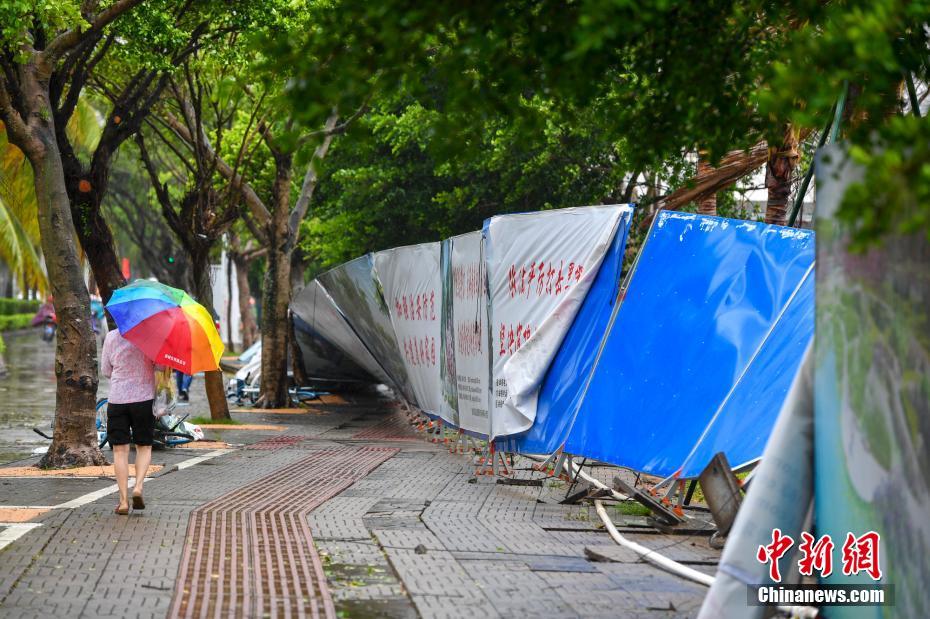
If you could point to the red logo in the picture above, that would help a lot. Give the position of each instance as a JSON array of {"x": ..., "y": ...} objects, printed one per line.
[
  {"x": 860, "y": 554},
  {"x": 771, "y": 553},
  {"x": 815, "y": 555}
]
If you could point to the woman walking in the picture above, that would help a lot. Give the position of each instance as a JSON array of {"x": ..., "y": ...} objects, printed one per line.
[{"x": 129, "y": 413}]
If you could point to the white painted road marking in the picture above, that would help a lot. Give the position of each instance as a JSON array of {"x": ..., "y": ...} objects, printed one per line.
[
  {"x": 12, "y": 531},
  {"x": 27, "y": 507},
  {"x": 186, "y": 464},
  {"x": 90, "y": 497}
]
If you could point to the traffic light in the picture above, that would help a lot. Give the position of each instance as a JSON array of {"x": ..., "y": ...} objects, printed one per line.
[{"x": 170, "y": 259}]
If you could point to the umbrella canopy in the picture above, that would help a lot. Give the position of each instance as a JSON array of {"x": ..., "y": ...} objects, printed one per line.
[{"x": 167, "y": 325}]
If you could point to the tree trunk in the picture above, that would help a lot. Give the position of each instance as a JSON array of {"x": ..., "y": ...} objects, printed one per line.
[
  {"x": 98, "y": 245},
  {"x": 298, "y": 269},
  {"x": 276, "y": 291},
  {"x": 276, "y": 297},
  {"x": 202, "y": 287},
  {"x": 85, "y": 193},
  {"x": 75, "y": 437},
  {"x": 779, "y": 171},
  {"x": 707, "y": 204},
  {"x": 732, "y": 167},
  {"x": 246, "y": 315}
]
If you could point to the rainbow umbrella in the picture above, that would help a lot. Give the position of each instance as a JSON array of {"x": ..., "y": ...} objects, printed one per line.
[{"x": 167, "y": 325}]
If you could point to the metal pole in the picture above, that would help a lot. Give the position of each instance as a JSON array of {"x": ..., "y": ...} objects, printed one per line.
[
  {"x": 838, "y": 115},
  {"x": 912, "y": 93},
  {"x": 806, "y": 181},
  {"x": 831, "y": 130}
]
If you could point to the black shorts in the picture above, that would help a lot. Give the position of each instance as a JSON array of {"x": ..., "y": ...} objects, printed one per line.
[{"x": 134, "y": 416}]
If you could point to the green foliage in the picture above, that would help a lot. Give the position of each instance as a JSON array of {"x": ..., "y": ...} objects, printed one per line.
[
  {"x": 671, "y": 76},
  {"x": 632, "y": 508},
  {"x": 210, "y": 421},
  {"x": 15, "y": 321},
  {"x": 17, "y": 17},
  {"x": 18, "y": 306},
  {"x": 896, "y": 188},
  {"x": 19, "y": 224},
  {"x": 869, "y": 45},
  {"x": 391, "y": 182}
]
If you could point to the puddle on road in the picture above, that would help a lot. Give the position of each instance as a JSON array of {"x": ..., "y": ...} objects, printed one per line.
[
  {"x": 350, "y": 575},
  {"x": 27, "y": 394},
  {"x": 341, "y": 576},
  {"x": 396, "y": 608}
]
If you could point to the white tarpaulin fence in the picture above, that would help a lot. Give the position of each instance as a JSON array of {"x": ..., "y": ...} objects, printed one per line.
[
  {"x": 356, "y": 292},
  {"x": 433, "y": 330},
  {"x": 412, "y": 288},
  {"x": 314, "y": 305},
  {"x": 468, "y": 333},
  {"x": 540, "y": 267}
]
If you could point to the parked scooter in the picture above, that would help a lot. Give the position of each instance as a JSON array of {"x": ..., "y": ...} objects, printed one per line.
[{"x": 49, "y": 327}]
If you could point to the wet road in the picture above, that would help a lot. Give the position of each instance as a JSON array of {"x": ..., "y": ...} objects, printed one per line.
[{"x": 27, "y": 394}]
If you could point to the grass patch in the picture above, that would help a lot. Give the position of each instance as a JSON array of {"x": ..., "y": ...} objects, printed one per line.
[
  {"x": 698, "y": 496},
  {"x": 632, "y": 508},
  {"x": 14, "y": 322},
  {"x": 209, "y": 421}
]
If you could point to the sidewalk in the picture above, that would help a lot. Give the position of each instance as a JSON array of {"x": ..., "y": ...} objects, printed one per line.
[{"x": 344, "y": 510}]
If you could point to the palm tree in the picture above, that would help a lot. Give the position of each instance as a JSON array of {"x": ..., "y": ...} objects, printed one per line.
[{"x": 19, "y": 224}]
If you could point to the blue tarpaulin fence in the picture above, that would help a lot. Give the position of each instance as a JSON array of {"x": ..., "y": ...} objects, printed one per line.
[{"x": 712, "y": 328}]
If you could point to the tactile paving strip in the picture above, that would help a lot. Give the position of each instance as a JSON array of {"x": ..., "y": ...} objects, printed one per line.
[
  {"x": 395, "y": 427},
  {"x": 277, "y": 442},
  {"x": 249, "y": 553}
]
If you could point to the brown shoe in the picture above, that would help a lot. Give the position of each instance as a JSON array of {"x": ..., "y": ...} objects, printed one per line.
[
  {"x": 138, "y": 502},
  {"x": 122, "y": 511}
]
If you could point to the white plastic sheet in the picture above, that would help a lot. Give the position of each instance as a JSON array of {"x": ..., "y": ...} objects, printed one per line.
[
  {"x": 540, "y": 267},
  {"x": 466, "y": 370},
  {"x": 412, "y": 289},
  {"x": 314, "y": 305},
  {"x": 354, "y": 289}
]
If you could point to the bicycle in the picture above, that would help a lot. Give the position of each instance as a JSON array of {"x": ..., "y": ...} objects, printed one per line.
[{"x": 164, "y": 436}]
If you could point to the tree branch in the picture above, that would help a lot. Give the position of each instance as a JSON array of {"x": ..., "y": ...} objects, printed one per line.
[
  {"x": 340, "y": 128},
  {"x": 310, "y": 180},
  {"x": 11, "y": 118},
  {"x": 164, "y": 139},
  {"x": 161, "y": 192},
  {"x": 255, "y": 204},
  {"x": 70, "y": 39},
  {"x": 258, "y": 252},
  {"x": 732, "y": 167},
  {"x": 254, "y": 229}
]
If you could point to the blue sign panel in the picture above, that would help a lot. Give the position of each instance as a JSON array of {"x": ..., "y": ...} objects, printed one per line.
[
  {"x": 745, "y": 419},
  {"x": 708, "y": 330}
]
